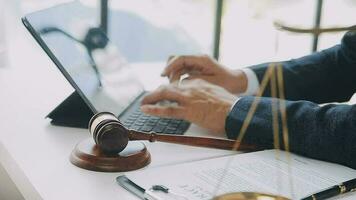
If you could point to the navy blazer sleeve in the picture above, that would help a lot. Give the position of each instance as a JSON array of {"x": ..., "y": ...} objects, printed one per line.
[
  {"x": 326, "y": 76},
  {"x": 322, "y": 132}
]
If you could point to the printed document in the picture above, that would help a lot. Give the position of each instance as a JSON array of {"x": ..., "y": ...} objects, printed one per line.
[{"x": 272, "y": 172}]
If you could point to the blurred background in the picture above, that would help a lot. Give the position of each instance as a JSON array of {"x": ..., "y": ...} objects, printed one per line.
[{"x": 237, "y": 32}]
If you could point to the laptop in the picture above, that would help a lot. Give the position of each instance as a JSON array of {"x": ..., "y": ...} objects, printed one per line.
[{"x": 94, "y": 66}]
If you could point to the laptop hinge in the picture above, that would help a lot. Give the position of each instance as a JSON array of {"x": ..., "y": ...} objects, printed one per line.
[{"x": 72, "y": 112}]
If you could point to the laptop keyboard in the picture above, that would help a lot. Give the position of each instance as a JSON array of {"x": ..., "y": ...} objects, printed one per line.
[{"x": 141, "y": 122}]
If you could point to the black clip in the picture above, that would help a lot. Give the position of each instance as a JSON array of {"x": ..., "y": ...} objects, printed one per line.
[{"x": 160, "y": 188}]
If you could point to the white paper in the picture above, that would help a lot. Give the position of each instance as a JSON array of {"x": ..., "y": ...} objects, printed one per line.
[{"x": 272, "y": 172}]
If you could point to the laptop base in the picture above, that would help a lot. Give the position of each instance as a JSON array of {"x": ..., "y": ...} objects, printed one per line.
[{"x": 74, "y": 112}]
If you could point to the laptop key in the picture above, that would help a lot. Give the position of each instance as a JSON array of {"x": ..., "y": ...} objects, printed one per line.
[
  {"x": 152, "y": 122},
  {"x": 183, "y": 127},
  {"x": 129, "y": 120},
  {"x": 134, "y": 127},
  {"x": 146, "y": 128},
  {"x": 158, "y": 129},
  {"x": 127, "y": 124},
  {"x": 163, "y": 123},
  {"x": 170, "y": 131},
  {"x": 134, "y": 115},
  {"x": 141, "y": 120},
  {"x": 175, "y": 126},
  {"x": 139, "y": 123}
]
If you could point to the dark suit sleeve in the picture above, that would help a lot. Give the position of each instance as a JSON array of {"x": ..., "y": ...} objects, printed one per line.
[
  {"x": 326, "y": 133},
  {"x": 322, "y": 132},
  {"x": 326, "y": 76}
]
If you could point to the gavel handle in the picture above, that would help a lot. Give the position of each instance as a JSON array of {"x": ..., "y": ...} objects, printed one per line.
[{"x": 190, "y": 140}]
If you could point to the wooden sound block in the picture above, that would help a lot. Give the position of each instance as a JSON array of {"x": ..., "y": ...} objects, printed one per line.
[{"x": 88, "y": 156}]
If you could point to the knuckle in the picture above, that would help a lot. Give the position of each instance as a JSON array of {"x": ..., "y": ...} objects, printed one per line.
[
  {"x": 198, "y": 81},
  {"x": 185, "y": 93},
  {"x": 172, "y": 58},
  {"x": 174, "y": 87},
  {"x": 182, "y": 59},
  {"x": 153, "y": 110},
  {"x": 164, "y": 91},
  {"x": 191, "y": 92},
  {"x": 176, "y": 59},
  {"x": 196, "y": 91},
  {"x": 173, "y": 62},
  {"x": 169, "y": 112}
]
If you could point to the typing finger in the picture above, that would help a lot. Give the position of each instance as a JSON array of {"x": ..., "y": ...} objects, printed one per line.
[
  {"x": 178, "y": 76},
  {"x": 202, "y": 77},
  {"x": 164, "y": 93},
  {"x": 182, "y": 63},
  {"x": 176, "y": 112}
]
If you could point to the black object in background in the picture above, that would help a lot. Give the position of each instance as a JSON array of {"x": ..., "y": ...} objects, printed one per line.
[{"x": 72, "y": 112}]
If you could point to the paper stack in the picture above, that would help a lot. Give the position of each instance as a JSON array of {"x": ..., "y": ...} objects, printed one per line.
[{"x": 271, "y": 172}]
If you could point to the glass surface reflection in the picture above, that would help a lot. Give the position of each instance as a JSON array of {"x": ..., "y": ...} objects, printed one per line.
[
  {"x": 2, "y": 37},
  {"x": 86, "y": 57},
  {"x": 249, "y": 196}
]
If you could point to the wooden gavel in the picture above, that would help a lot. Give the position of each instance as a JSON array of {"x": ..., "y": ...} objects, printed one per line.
[{"x": 112, "y": 137}]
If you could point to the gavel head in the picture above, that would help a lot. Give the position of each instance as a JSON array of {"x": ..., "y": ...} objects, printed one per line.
[{"x": 108, "y": 133}]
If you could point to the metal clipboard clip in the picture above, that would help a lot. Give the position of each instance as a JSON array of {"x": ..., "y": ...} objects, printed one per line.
[{"x": 160, "y": 192}]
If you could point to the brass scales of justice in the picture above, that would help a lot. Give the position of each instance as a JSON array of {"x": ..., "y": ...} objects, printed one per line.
[{"x": 113, "y": 148}]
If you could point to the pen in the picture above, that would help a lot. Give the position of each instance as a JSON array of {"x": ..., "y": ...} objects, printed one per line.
[{"x": 348, "y": 186}]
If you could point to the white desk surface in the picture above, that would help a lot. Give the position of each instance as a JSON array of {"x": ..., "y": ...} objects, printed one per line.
[{"x": 35, "y": 154}]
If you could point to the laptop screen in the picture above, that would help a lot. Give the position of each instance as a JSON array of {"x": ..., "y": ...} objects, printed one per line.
[{"x": 84, "y": 54}]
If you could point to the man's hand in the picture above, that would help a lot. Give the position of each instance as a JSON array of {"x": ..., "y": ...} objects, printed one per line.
[
  {"x": 206, "y": 68},
  {"x": 198, "y": 101}
]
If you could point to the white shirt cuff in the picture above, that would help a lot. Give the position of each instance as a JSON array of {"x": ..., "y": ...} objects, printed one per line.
[
  {"x": 252, "y": 82},
  {"x": 233, "y": 105}
]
